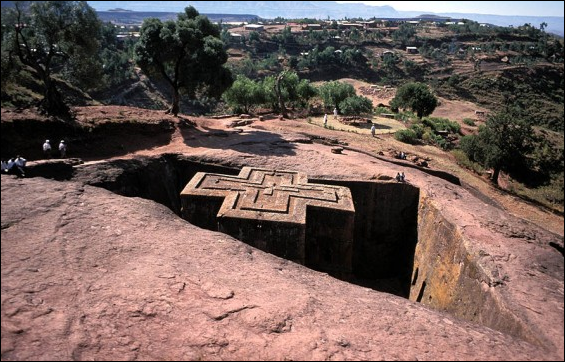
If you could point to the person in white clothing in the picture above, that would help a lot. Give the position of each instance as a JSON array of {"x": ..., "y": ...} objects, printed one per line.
[
  {"x": 15, "y": 166},
  {"x": 325, "y": 120},
  {"x": 19, "y": 166},
  {"x": 63, "y": 148},
  {"x": 20, "y": 161},
  {"x": 335, "y": 113},
  {"x": 47, "y": 149}
]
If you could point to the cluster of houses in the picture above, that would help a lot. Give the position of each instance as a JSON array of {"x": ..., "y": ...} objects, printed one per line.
[
  {"x": 132, "y": 31},
  {"x": 360, "y": 25}
]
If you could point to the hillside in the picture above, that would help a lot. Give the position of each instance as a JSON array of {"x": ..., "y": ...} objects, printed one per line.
[{"x": 475, "y": 71}]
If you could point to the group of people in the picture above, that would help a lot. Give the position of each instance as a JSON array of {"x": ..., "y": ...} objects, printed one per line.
[
  {"x": 14, "y": 166},
  {"x": 400, "y": 177},
  {"x": 326, "y": 117},
  {"x": 47, "y": 149}
]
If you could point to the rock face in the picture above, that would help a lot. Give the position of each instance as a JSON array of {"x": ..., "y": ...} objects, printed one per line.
[
  {"x": 278, "y": 212},
  {"x": 428, "y": 239},
  {"x": 91, "y": 275}
]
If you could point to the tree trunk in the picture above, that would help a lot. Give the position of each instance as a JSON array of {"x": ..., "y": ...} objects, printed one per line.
[
  {"x": 279, "y": 96},
  {"x": 176, "y": 99},
  {"x": 52, "y": 102},
  {"x": 495, "y": 174}
]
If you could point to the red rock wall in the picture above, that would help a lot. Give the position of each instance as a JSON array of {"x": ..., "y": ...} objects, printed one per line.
[{"x": 447, "y": 277}]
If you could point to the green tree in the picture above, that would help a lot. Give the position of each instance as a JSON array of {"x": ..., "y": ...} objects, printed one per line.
[
  {"x": 49, "y": 35},
  {"x": 254, "y": 37},
  {"x": 356, "y": 105},
  {"x": 305, "y": 91},
  {"x": 502, "y": 143},
  {"x": 188, "y": 54},
  {"x": 244, "y": 94},
  {"x": 333, "y": 93},
  {"x": 416, "y": 97},
  {"x": 403, "y": 34},
  {"x": 284, "y": 89}
]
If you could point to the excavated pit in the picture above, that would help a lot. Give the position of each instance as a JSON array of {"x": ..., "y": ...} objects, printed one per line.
[
  {"x": 402, "y": 244},
  {"x": 384, "y": 228}
]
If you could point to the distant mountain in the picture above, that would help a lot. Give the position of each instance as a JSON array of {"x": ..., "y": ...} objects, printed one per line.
[
  {"x": 263, "y": 9},
  {"x": 555, "y": 24},
  {"x": 315, "y": 9},
  {"x": 125, "y": 17}
]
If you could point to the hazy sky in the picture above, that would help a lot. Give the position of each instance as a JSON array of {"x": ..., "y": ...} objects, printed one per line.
[{"x": 526, "y": 8}]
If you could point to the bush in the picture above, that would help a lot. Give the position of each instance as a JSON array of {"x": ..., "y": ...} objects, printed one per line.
[
  {"x": 418, "y": 130},
  {"x": 469, "y": 121},
  {"x": 405, "y": 116},
  {"x": 464, "y": 161},
  {"x": 442, "y": 124},
  {"x": 381, "y": 110},
  {"x": 406, "y": 136}
]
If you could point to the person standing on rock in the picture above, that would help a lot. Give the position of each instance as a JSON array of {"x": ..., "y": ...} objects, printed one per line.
[
  {"x": 63, "y": 149},
  {"x": 47, "y": 149}
]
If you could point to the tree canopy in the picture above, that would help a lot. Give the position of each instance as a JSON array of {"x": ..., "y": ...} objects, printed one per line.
[
  {"x": 274, "y": 91},
  {"x": 502, "y": 143},
  {"x": 416, "y": 97},
  {"x": 187, "y": 53},
  {"x": 333, "y": 93},
  {"x": 48, "y": 35},
  {"x": 356, "y": 105},
  {"x": 244, "y": 94}
]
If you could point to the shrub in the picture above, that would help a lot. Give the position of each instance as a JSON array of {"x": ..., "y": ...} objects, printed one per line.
[
  {"x": 469, "y": 121},
  {"x": 464, "y": 161},
  {"x": 442, "y": 124},
  {"x": 418, "y": 130},
  {"x": 380, "y": 110},
  {"x": 406, "y": 136}
]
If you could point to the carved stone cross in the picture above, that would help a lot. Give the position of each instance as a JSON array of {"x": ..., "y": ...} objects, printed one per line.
[
  {"x": 263, "y": 194},
  {"x": 278, "y": 212}
]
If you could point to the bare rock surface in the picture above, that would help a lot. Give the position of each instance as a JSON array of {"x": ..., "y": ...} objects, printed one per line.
[{"x": 90, "y": 275}]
